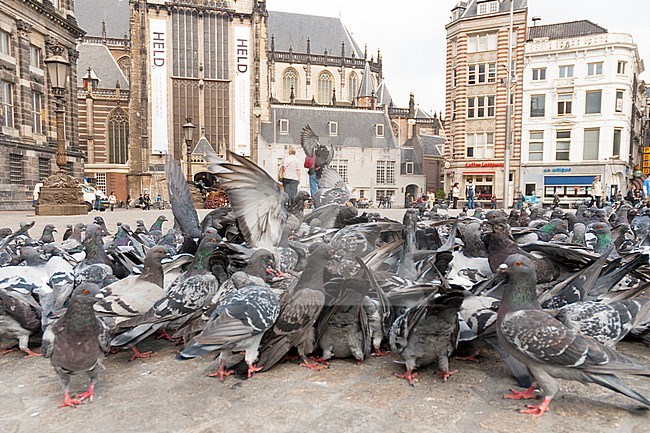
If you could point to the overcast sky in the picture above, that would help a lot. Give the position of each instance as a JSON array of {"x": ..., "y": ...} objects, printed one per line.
[{"x": 411, "y": 34}]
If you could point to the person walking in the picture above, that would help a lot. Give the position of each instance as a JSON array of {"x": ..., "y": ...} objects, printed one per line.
[
  {"x": 596, "y": 192},
  {"x": 520, "y": 200},
  {"x": 98, "y": 200},
  {"x": 311, "y": 172},
  {"x": 291, "y": 173},
  {"x": 493, "y": 202},
  {"x": 354, "y": 197},
  {"x": 455, "y": 195},
  {"x": 390, "y": 199},
  {"x": 470, "y": 192},
  {"x": 112, "y": 201}
]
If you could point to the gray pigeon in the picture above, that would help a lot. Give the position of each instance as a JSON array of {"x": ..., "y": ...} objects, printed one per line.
[
  {"x": 19, "y": 318},
  {"x": 427, "y": 332},
  {"x": 548, "y": 348},
  {"x": 48, "y": 234},
  {"x": 237, "y": 324},
  {"x": 76, "y": 342}
]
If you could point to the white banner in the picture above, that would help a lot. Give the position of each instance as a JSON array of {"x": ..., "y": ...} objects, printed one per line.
[
  {"x": 242, "y": 89},
  {"x": 158, "y": 64}
]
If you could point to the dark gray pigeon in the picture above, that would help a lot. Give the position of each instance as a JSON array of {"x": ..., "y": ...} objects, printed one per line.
[
  {"x": 548, "y": 348},
  {"x": 427, "y": 333},
  {"x": 76, "y": 343},
  {"x": 48, "y": 234}
]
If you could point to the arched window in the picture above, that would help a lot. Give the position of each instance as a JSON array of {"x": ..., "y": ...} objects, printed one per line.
[
  {"x": 353, "y": 86},
  {"x": 118, "y": 136},
  {"x": 124, "y": 63},
  {"x": 325, "y": 81},
  {"x": 289, "y": 78}
]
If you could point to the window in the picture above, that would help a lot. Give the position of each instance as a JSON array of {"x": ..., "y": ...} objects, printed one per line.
[
  {"x": 289, "y": 83},
  {"x": 595, "y": 68},
  {"x": 334, "y": 128},
  {"x": 284, "y": 126},
  {"x": 562, "y": 145},
  {"x": 44, "y": 168},
  {"x": 5, "y": 43},
  {"x": 386, "y": 172},
  {"x": 593, "y": 102},
  {"x": 453, "y": 110},
  {"x": 35, "y": 56},
  {"x": 118, "y": 136},
  {"x": 37, "y": 115},
  {"x": 620, "y": 67},
  {"x": 590, "y": 150},
  {"x": 482, "y": 42},
  {"x": 487, "y": 7},
  {"x": 480, "y": 145},
  {"x": 325, "y": 88},
  {"x": 616, "y": 145},
  {"x": 537, "y": 105},
  {"x": 408, "y": 168},
  {"x": 566, "y": 71},
  {"x": 536, "y": 146},
  {"x": 15, "y": 169},
  {"x": 379, "y": 130},
  {"x": 100, "y": 182},
  {"x": 480, "y": 106},
  {"x": 564, "y": 103},
  {"x": 482, "y": 73},
  {"x": 341, "y": 167},
  {"x": 455, "y": 78},
  {"x": 619, "y": 101},
  {"x": 539, "y": 74},
  {"x": 352, "y": 86},
  {"x": 7, "y": 104},
  {"x": 454, "y": 48}
]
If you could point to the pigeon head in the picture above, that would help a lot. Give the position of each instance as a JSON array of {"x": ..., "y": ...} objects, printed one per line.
[
  {"x": 87, "y": 293},
  {"x": 157, "y": 253},
  {"x": 30, "y": 256},
  {"x": 49, "y": 228},
  {"x": 517, "y": 264},
  {"x": 494, "y": 217}
]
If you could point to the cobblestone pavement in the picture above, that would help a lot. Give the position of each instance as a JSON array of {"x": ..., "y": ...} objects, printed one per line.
[{"x": 163, "y": 395}]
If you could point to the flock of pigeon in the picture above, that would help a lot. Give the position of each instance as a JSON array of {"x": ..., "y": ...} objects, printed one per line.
[{"x": 262, "y": 281}]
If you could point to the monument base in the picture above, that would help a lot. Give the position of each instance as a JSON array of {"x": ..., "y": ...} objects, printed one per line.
[{"x": 61, "y": 195}]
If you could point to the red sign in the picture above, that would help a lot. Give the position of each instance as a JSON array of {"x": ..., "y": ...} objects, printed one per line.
[{"x": 483, "y": 164}]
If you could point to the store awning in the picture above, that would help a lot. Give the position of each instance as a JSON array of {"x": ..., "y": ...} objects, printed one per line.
[
  {"x": 568, "y": 180},
  {"x": 478, "y": 172}
]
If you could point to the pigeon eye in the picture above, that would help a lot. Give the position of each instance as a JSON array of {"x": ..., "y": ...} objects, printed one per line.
[
  {"x": 85, "y": 291},
  {"x": 517, "y": 263}
]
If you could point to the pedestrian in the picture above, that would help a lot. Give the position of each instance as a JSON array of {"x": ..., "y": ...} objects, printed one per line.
[
  {"x": 407, "y": 200},
  {"x": 596, "y": 192},
  {"x": 291, "y": 173},
  {"x": 112, "y": 201},
  {"x": 128, "y": 202},
  {"x": 98, "y": 200},
  {"x": 354, "y": 197},
  {"x": 520, "y": 200},
  {"x": 390, "y": 199},
  {"x": 382, "y": 201},
  {"x": 36, "y": 193},
  {"x": 556, "y": 200},
  {"x": 455, "y": 195},
  {"x": 493, "y": 202},
  {"x": 311, "y": 172},
  {"x": 470, "y": 191}
]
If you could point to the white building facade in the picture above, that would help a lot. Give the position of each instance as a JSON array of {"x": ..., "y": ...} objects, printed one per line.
[{"x": 579, "y": 86}]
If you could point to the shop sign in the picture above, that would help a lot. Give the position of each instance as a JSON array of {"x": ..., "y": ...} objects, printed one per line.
[
  {"x": 646, "y": 149},
  {"x": 646, "y": 164},
  {"x": 646, "y": 171},
  {"x": 558, "y": 170},
  {"x": 483, "y": 164}
]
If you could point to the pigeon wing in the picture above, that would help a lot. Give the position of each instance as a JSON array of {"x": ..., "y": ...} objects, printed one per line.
[
  {"x": 180, "y": 198},
  {"x": 308, "y": 140}
]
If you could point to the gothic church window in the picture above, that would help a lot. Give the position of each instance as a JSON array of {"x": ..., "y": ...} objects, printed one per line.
[
  {"x": 289, "y": 79},
  {"x": 324, "y": 96},
  {"x": 353, "y": 86},
  {"x": 118, "y": 136}
]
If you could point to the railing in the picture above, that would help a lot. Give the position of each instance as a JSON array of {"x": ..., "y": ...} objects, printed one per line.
[
  {"x": 119, "y": 42},
  {"x": 322, "y": 59}
]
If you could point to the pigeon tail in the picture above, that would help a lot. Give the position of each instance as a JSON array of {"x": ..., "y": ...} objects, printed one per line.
[{"x": 615, "y": 384}]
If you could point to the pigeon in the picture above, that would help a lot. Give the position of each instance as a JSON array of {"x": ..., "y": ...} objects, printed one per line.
[
  {"x": 427, "y": 332},
  {"x": 19, "y": 318},
  {"x": 548, "y": 348},
  {"x": 237, "y": 324},
  {"x": 76, "y": 343},
  {"x": 158, "y": 224},
  {"x": 47, "y": 236}
]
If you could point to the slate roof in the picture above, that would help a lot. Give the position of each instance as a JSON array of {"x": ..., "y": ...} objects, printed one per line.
[
  {"x": 410, "y": 154},
  {"x": 472, "y": 7},
  {"x": 383, "y": 95},
  {"x": 91, "y": 13},
  {"x": 356, "y": 128},
  {"x": 572, "y": 29},
  {"x": 324, "y": 33},
  {"x": 367, "y": 86},
  {"x": 432, "y": 145},
  {"x": 203, "y": 147},
  {"x": 103, "y": 65}
]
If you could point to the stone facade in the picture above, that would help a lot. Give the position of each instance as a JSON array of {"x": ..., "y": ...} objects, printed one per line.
[{"x": 29, "y": 30}]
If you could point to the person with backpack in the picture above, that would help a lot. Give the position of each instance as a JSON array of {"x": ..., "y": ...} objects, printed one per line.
[{"x": 470, "y": 192}]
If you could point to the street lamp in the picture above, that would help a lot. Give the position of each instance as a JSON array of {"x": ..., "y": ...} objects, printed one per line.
[
  {"x": 508, "y": 83},
  {"x": 60, "y": 193},
  {"x": 188, "y": 133}
]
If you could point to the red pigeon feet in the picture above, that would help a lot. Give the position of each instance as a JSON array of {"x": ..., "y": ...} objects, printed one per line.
[
  {"x": 471, "y": 358},
  {"x": 88, "y": 395},
  {"x": 163, "y": 335},
  {"x": 253, "y": 369},
  {"x": 320, "y": 360},
  {"x": 408, "y": 375},
  {"x": 68, "y": 402},
  {"x": 139, "y": 355},
  {"x": 522, "y": 395},
  {"x": 446, "y": 374},
  {"x": 5, "y": 351},
  {"x": 313, "y": 366},
  {"x": 31, "y": 354},
  {"x": 537, "y": 410},
  {"x": 380, "y": 352},
  {"x": 222, "y": 373}
]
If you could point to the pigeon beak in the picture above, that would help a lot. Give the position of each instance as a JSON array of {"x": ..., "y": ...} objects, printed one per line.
[
  {"x": 501, "y": 269},
  {"x": 99, "y": 296}
]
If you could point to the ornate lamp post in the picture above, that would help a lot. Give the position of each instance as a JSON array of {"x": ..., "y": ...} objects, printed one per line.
[
  {"x": 60, "y": 194},
  {"x": 188, "y": 133}
]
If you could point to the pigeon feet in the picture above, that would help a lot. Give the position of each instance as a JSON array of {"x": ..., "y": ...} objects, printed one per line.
[
  {"x": 320, "y": 360},
  {"x": 470, "y": 358},
  {"x": 163, "y": 335},
  {"x": 31, "y": 354},
  {"x": 5, "y": 351},
  {"x": 408, "y": 375},
  {"x": 537, "y": 410},
  {"x": 253, "y": 369},
  {"x": 522, "y": 395},
  {"x": 222, "y": 373},
  {"x": 446, "y": 374},
  {"x": 88, "y": 395},
  {"x": 318, "y": 364},
  {"x": 69, "y": 402},
  {"x": 380, "y": 352},
  {"x": 139, "y": 355}
]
